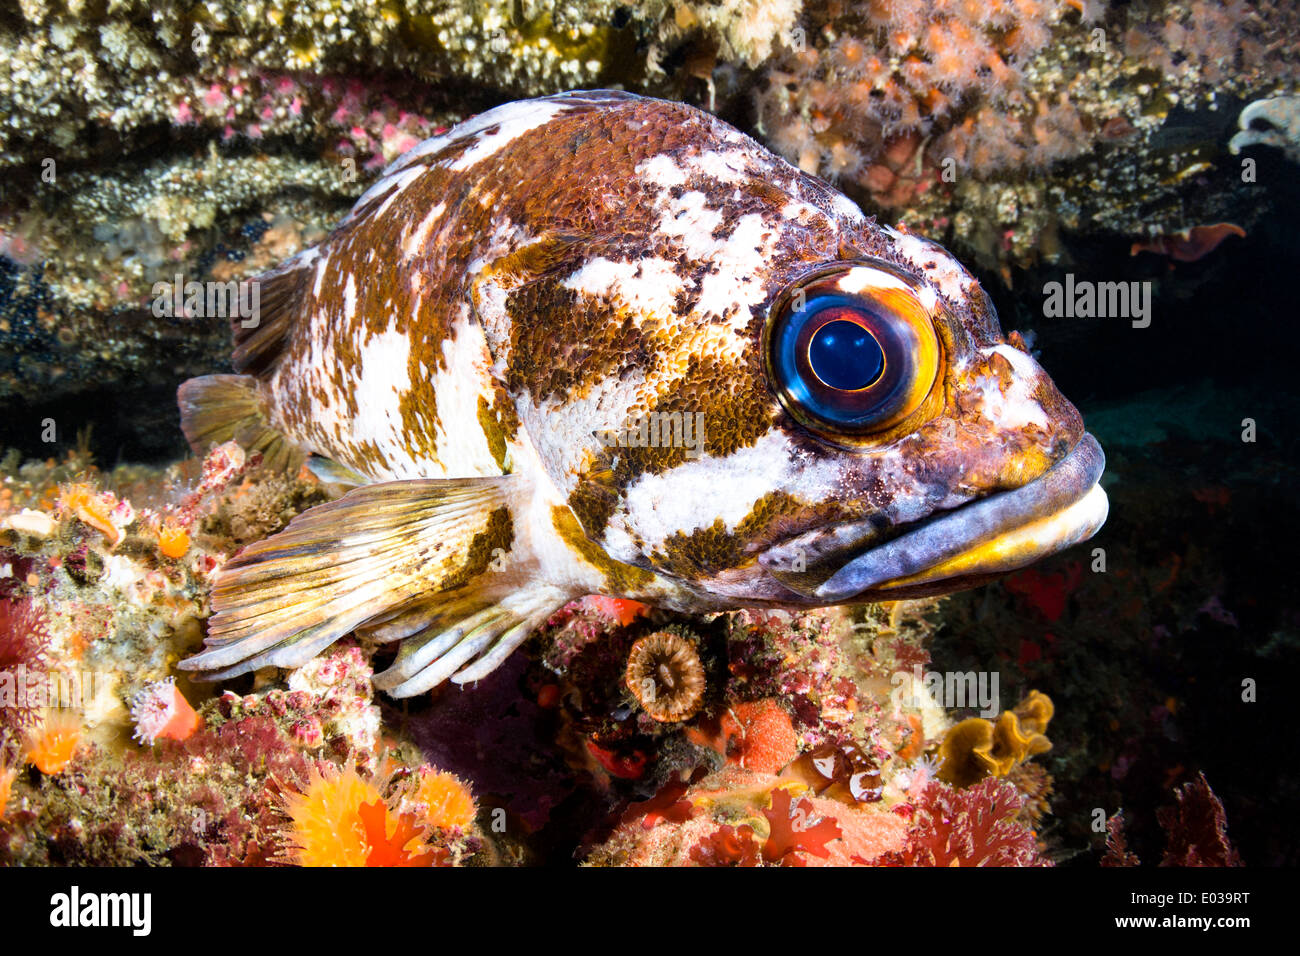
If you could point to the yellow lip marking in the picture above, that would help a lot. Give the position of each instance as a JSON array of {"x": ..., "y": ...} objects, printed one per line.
[{"x": 1020, "y": 546}]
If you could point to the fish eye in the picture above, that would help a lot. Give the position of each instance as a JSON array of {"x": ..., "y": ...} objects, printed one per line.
[{"x": 851, "y": 350}]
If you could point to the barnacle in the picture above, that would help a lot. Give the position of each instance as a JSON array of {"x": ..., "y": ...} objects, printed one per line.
[{"x": 666, "y": 677}]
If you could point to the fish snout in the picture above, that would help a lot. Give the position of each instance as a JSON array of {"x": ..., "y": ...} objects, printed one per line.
[{"x": 958, "y": 547}]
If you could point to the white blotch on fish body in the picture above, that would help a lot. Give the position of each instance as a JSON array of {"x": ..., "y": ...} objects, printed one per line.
[
  {"x": 416, "y": 240},
  {"x": 647, "y": 287},
  {"x": 575, "y": 424},
  {"x": 847, "y": 208},
  {"x": 383, "y": 379},
  {"x": 349, "y": 298},
  {"x": 660, "y": 170},
  {"x": 1018, "y": 408},
  {"x": 947, "y": 273},
  {"x": 513, "y": 120},
  {"x": 464, "y": 377},
  {"x": 740, "y": 261},
  {"x": 726, "y": 167}
]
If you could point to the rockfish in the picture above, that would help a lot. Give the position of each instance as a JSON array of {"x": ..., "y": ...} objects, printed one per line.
[{"x": 595, "y": 343}]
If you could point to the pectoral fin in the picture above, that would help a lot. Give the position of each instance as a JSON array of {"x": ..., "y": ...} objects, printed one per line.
[{"x": 404, "y": 559}]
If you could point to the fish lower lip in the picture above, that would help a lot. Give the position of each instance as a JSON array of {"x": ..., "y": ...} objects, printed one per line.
[{"x": 1062, "y": 506}]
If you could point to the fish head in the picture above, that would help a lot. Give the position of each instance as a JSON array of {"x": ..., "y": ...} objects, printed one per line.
[
  {"x": 869, "y": 434},
  {"x": 929, "y": 452},
  {"x": 763, "y": 397}
]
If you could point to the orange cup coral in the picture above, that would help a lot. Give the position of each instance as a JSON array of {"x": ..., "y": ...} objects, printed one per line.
[
  {"x": 441, "y": 800},
  {"x": 342, "y": 819},
  {"x": 173, "y": 541},
  {"x": 7, "y": 775},
  {"x": 53, "y": 745}
]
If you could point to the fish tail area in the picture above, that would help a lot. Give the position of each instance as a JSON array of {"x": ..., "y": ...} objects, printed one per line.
[
  {"x": 219, "y": 408},
  {"x": 420, "y": 561}
]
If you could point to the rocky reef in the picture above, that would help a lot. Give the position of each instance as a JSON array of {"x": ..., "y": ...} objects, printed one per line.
[
  {"x": 143, "y": 141},
  {"x": 621, "y": 735}
]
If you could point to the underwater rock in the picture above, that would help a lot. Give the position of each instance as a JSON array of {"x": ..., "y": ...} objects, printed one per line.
[
  {"x": 996, "y": 126},
  {"x": 145, "y": 143}
]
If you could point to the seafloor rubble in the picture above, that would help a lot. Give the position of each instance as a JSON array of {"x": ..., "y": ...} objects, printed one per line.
[{"x": 619, "y": 736}]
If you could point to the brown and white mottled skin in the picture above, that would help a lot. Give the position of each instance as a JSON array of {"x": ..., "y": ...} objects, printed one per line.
[{"x": 558, "y": 267}]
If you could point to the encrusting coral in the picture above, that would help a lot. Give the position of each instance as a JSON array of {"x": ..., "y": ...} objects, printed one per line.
[
  {"x": 93, "y": 616},
  {"x": 947, "y": 113}
]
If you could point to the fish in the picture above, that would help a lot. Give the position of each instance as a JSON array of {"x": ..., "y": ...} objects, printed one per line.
[{"x": 598, "y": 343}]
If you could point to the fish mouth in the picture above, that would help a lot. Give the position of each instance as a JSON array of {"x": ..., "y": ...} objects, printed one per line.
[{"x": 975, "y": 542}]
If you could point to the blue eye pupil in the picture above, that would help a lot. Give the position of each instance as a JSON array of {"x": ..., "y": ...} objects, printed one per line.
[{"x": 845, "y": 355}]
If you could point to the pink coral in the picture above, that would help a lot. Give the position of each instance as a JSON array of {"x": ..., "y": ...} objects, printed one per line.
[
  {"x": 978, "y": 826},
  {"x": 377, "y": 120},
  {"x": 24, "y": 643}
]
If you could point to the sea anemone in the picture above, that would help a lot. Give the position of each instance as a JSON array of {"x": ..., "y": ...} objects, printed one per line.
[
  {"x": 161, "y": 710},
  {"x": 666, "y": 677},
  {"x": 173, "y": 541},
  {"x": 326, "y": 826},
  {"x": 341, "y": 819},
  {"x": 7, "y": 775}
]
